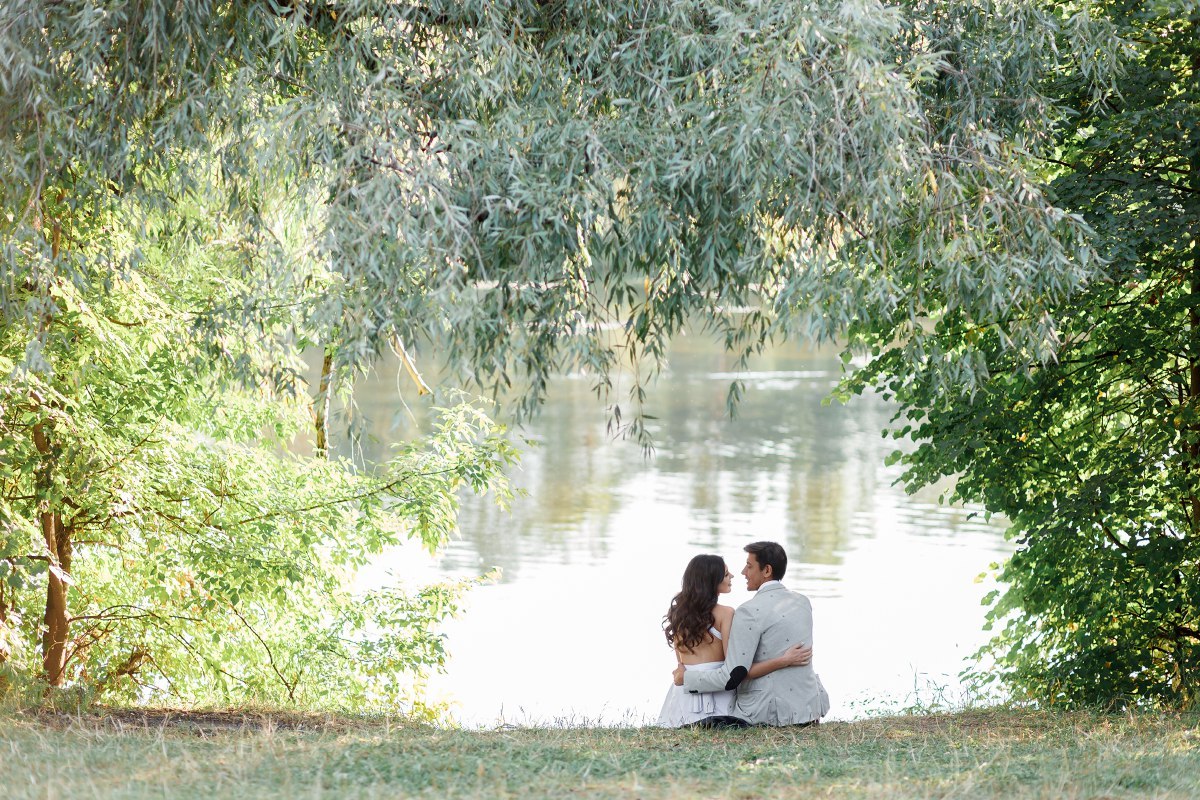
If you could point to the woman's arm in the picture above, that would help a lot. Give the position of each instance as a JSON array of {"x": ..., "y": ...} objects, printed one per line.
[{"x": 797, "y": 655}]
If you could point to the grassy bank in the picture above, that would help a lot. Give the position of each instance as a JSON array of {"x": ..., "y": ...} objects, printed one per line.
[{"x": 982, "y": 754}]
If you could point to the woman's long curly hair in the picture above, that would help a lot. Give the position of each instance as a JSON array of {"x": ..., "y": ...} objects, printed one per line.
[{"x": 691, "y": 613}]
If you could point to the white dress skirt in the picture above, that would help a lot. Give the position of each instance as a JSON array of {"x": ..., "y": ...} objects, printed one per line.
[{"x": 682, "y": 707}]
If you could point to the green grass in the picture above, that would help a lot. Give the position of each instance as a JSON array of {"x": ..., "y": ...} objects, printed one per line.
[{"x": 976, "y": 754}]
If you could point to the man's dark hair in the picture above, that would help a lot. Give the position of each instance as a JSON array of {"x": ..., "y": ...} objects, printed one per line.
[{"x": 769, "y": 553}]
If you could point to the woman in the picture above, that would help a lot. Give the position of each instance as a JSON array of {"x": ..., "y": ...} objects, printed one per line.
[{"x": 698, "y": 628}]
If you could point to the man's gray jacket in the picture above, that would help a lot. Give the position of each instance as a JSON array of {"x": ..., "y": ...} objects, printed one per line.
[{"x": 763, "y": 627}]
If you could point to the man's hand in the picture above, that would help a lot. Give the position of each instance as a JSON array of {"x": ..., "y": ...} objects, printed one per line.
[
  {"x": 678, "y": 674},
  {"x": 798, "y": 655}
]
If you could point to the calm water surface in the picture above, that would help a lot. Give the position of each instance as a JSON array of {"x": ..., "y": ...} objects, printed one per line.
[{"x": 592, "y": 555}]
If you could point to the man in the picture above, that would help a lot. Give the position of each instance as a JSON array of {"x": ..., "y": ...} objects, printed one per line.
[{"x": 763, "y": 627}]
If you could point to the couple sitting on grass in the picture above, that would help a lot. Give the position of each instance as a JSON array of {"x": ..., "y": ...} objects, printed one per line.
[{"x": 753, "y": 667}]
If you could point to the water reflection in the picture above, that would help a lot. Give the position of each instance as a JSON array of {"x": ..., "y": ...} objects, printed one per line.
[
  {"x": 594, "y": 551},
  {"x": 787, "y": 457}
]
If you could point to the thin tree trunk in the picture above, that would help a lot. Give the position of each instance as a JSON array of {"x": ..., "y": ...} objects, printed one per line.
[
  {"x": 1185, "y": 660},
  {"x": 1193, "y": 449},
  {"x": 4, "y": 652},
  {"x": 322, "y": 404},
  {"x": 57, "y": 536},
  {"x": 58, "y": 550}
]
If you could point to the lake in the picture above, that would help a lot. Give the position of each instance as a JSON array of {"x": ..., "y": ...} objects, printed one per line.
[{"x": 591, "y": 556}]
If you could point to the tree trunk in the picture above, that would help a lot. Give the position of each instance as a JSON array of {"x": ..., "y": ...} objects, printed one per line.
[
  {"x": 1193, "y": 449},
  {"x": 58, "y": 551},
  {"x": 4, "y": 652},
  {"x": 1186, "y": 652},
  {"x": 322, "y": 403}
]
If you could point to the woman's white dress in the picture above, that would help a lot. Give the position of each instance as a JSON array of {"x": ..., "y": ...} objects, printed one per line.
[{"x": 682, "y": 707}]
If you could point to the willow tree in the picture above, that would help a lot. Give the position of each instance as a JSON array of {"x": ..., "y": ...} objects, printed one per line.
[
  {"x": 520, "y": 188},
  {"x": 566, "y": 185}
]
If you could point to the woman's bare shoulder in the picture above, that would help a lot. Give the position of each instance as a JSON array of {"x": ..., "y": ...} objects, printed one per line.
[{"x": 721, "y": 612}]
